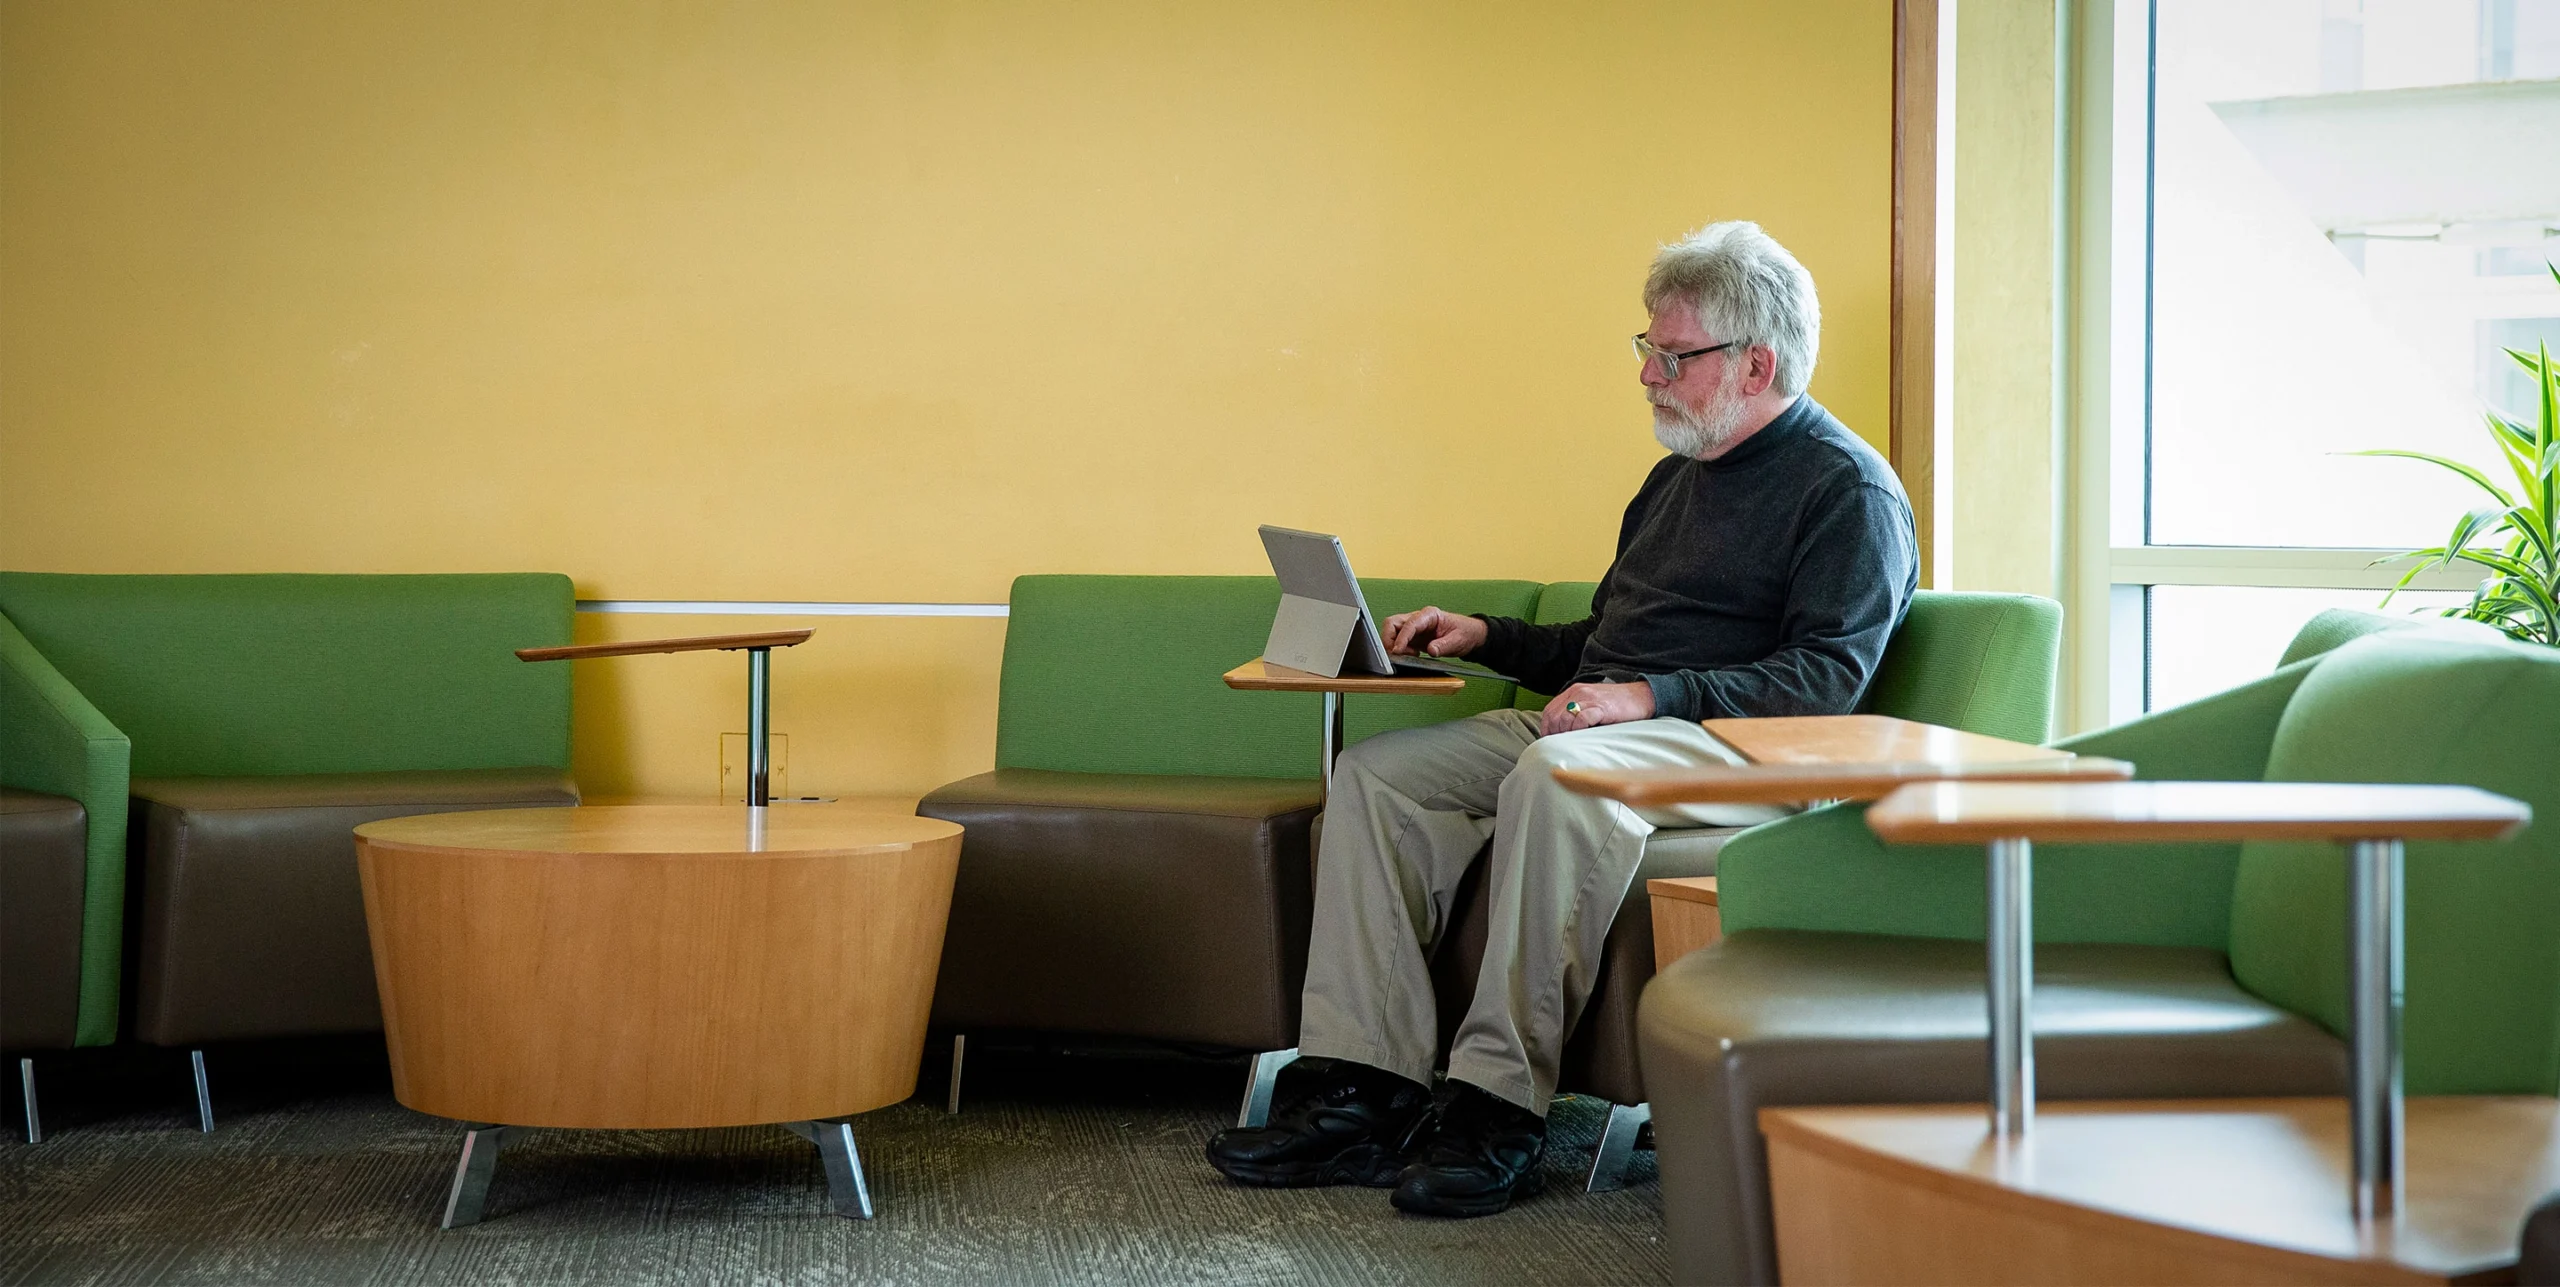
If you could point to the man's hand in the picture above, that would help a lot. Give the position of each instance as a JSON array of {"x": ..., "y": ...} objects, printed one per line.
[
  {"x": 1591, "y": 705},
  {"x": 1433, "y": 633}
]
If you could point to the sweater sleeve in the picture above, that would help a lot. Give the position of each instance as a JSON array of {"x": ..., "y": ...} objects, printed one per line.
[
  {"x": 1543, "y": 658},
  {"x": 1849, "y": 584}
]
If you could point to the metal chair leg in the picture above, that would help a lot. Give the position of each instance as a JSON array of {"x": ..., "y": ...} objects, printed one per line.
[
  {"x": 959, "y": 1055},
  {"x": 1617, "y": 1149},
  {"x": 204, "y": 1093},
  {"x": 27, "y": 1096},
  {"x": 469, "y": 1198},
  {"x": 848, "y": 1190},
  {"x": 1258, "y": 1082}
]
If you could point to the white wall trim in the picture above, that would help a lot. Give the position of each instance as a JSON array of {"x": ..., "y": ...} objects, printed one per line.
[
  {"x": 2276, "y": 566},
  {"x": 789, "y": 608}
]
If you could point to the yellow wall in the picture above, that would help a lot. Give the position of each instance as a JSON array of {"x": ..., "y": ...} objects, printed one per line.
[
  {"x": 884, "y": 301},
  {"x": 2005, "y": 463}
]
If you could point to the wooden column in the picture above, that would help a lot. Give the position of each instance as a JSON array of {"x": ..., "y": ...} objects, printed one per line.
[{"x": 1922, "y": 386}]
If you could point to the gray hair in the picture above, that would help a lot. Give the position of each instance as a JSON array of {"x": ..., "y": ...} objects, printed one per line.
[{"x": 1744, "y": 287}]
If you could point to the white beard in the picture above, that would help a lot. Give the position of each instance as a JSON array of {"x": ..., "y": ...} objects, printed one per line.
[{"x": 1703, "y": 434}]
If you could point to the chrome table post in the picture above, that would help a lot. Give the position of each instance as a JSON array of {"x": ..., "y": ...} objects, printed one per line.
[
  {"x": 27, "y": 1096},
  {"x": 2009, "y": 940},
  {"x": 759, "y": 725},
  {"x": 1332, "y": 736},
  {"x": 2376, "y": 1114}
]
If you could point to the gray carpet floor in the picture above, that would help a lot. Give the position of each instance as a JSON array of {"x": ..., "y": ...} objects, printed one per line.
[{"x": 1059, "y": 1169}]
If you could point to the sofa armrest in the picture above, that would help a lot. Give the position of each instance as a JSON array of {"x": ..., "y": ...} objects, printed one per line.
[
  {"x": 56, "y": 741},
  {"x": 1824, "y": 870}
]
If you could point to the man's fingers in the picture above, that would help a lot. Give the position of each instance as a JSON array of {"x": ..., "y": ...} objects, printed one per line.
[
  {"x": 1447, "y": 629},
  {"x": 1413, "y": 631},
  {"x": 1570, "y": 709},
  {"x": 1400, "y": 631},
  {"x": 1439, "y": 631}
]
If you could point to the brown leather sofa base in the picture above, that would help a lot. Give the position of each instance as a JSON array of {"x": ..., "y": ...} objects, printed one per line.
[
  {"x": 1600, "y": 1057},
  {"x": 44, "y": 850},
  {"x": 1170, "y": 908},
  {"x": 251, "y": 915},
  {"x": 1770, "y": 1017}
]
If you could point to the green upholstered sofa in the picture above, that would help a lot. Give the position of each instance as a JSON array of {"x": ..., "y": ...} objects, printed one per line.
[
  {"x": 1138, "y": 862},
  {"x": 1851, "y": 971},
  {"x": 244, "y": 724}
]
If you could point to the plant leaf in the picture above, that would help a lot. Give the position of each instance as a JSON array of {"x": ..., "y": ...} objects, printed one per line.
[{"x": 2455, "y": 465}]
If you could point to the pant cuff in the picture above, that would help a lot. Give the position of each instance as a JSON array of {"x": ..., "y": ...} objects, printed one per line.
[
  {"x": 1506, "y": 1085},
  {"x": 1360, "y": 1052}
]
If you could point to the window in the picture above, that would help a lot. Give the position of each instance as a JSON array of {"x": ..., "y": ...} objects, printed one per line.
[{"x": 2342, "y": 214}]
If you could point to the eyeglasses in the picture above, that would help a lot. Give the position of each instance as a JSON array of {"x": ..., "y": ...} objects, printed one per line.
[{"x": 1671, "y": 361}]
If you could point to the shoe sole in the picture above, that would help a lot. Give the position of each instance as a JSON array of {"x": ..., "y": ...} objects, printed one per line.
[
  {"x": 1530, "y": 1186},
  {"x": 1367, "y": 1165}
]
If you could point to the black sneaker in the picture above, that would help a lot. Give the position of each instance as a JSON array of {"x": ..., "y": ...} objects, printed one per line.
[
  {"x": 1339, "y": 1123},
  {"x": 1484, "y": 1152}
]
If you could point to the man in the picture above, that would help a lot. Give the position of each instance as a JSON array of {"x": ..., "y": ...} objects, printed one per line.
[{"x": 1759, "y": 571}]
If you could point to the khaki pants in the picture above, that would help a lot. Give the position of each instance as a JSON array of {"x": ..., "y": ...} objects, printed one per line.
[{"x": 1410, "y": 810}]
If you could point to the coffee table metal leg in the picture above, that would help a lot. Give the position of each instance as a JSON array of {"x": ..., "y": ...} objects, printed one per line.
[
  {"x": 469, "y": 1197},
  {"x": 2009, "y": 939},
  {"x": 2374, "y": 984},
  {"x": 848, "y": 1191}
]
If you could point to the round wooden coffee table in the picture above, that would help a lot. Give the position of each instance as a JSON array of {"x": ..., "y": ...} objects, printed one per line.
[{"x": 656, "y": 966}]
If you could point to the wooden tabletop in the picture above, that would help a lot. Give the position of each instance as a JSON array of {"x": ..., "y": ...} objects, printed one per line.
[
  {"x": 661, "y": 829},
  {"x": 2270, "y": 1174},
  {"x": 1799, "y": 783},
  {"x": 1864, "y": 739},
  {"x": 1260, "y": 676},
  {"x": 695, "y": 643},
  {"x": 1979, "y": 812},
  {"x": 1684, "y": 889}
]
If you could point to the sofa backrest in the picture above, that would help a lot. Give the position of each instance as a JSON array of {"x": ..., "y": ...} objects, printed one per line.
[
  {"x": 2483, "y": 919},
  {"x": 266, "y": 674},
  {"x": 1983, "y": 663},
  {"x": 1119, "y": 674}
]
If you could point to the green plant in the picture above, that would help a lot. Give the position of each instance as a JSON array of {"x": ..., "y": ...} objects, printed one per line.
[{"x": 2521, "y": 595}]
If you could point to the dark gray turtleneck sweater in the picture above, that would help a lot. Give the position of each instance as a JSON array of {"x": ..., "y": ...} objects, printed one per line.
[{"x": 1761, "y": 583}]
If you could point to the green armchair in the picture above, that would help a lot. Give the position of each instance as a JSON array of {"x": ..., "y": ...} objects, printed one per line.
[
  {"x": 1851, "y": 971},
  {"x": 53, "y": 742},
  {"x": 246, "y": 724}
]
